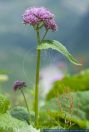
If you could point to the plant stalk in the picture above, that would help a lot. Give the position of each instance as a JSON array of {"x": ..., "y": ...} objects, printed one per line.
[
  {"x": 25, "y": 100},
  {"x": 26, "y": 105},
  {"x": 37, "y": 81}
]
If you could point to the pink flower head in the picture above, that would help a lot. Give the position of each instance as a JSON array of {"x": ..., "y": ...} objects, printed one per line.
[
  {"x": 36, "y": 16},
  {"x": 19, "y": 85}
]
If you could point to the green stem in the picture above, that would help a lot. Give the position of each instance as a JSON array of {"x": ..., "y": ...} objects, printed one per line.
[
  {"x": 37, "y": 80},
  {"x": 25, "y": 100},
  {"x": 26, "y": 104}
]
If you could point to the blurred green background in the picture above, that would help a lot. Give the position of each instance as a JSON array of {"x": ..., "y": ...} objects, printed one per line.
[{"x": 17, "y": 41}]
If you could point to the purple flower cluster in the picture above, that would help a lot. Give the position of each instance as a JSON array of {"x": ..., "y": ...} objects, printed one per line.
[
  {"x": 36, "y": 16},
  {"x": 19, "y": 85}
]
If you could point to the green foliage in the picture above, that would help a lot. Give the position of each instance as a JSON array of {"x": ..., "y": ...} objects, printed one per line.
[
  {"x": 72, "y": 107},
  {"x": 79, "y": 82},
  {"x": 71, "y": 123},
  {"x": 46, "y": 122},
  {"x": 27, "y": 129},
  {"x": 20, "y": 113},
  {"x": 8, "y": 123},
  {"x": 55, "y": 45},
  {"x": 4, "y": 104}
]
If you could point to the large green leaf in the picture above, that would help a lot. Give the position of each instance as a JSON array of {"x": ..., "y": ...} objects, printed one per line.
[
  {"x": 8, "y": 123},
  {"x": 77, "y": 82},
  {"x": 20, "y": 113},
  {"x": 74, "y": 105},
  {"x": 55, "y": 45}
]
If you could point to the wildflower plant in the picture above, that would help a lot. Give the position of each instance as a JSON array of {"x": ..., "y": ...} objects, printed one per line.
[
  {"x": 19, "y": 85},
  {"x": 40, "y": 18}
]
